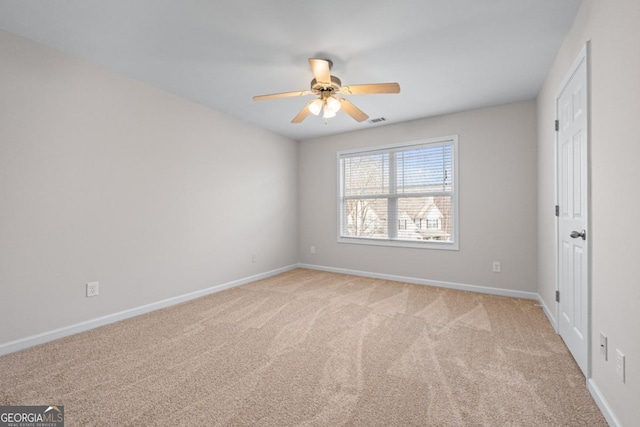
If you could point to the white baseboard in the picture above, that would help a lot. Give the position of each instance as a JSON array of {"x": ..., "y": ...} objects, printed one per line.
[
  {"x": 417, "y": 281},
  {"x": 548, "y": 313},
  {"x": 602, "y": 404},
  {"x": 21, "y": 344}
]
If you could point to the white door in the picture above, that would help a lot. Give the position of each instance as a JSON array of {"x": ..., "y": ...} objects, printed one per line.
[{"x": 573, "y": 233}]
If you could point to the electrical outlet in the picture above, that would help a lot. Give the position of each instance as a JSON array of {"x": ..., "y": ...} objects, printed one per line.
[
  {"x": 603, "y": 346},
  {"x": 254, "y": 257},
  {"x": 496, "y": 266},
  {"x": 313, "y": 250},
  {"x": 620, "y": 365},
  {"x": 93, "y": 289}
]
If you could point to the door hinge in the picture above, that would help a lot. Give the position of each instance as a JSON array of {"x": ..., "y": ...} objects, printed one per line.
[
  {"x": 557, "y": 296},
  {"x": 557, "y": 210},
  {"x": 557, "y": 125}
]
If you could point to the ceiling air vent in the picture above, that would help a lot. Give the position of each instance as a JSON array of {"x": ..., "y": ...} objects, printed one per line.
[{"x": 378, "y": 120}]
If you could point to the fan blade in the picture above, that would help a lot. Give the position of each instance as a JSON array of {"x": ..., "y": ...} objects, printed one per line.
[
  {"x": 371, "y": 88},
  {"x": 320, "y": 69},
  {"x": 302, "y": 114},
  {"x": 357, "y": 114},
  {"x": 282, "y": 95}
]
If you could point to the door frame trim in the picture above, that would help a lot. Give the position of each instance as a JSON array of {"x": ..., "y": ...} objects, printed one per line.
[{"x": 583, "y": 56}]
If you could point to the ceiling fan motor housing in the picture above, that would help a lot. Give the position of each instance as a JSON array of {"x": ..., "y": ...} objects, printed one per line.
[{"x": 335, "y": 86}]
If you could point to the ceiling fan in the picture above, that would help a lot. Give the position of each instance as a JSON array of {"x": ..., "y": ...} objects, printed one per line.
[{"x": 327, "y": 86}]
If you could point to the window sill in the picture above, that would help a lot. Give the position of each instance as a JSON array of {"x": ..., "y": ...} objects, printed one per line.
[{"x": 444, "y": 246}]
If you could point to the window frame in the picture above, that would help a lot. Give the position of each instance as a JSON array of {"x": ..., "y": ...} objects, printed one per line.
[{"x": 452, "y": 141}]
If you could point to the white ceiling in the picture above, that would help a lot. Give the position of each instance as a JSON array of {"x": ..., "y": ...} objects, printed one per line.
[{"x": 447, "y": 55}]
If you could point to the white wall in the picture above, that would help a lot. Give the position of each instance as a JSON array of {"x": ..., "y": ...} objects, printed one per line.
[
  {"x": 497, "y": 173},
  {"x": 105, "y": 178},
  {"x": 612, "y": 27}
]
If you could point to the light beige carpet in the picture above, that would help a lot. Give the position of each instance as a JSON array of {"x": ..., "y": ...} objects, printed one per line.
[{"x": 312, "y": 348}]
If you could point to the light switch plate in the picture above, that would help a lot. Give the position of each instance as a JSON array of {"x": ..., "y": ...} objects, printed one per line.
[
  {"x": 603, "y": 346},
  {"x": 620, "y": 365}
]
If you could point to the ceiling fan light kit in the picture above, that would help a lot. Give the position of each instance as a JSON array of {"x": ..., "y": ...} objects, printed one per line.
[
  {"x": 333, "y": 104},
  {"x": 327, "y": 114},
  {"x": 315, "y": 106},
  {"x": 326, "y": 86}
]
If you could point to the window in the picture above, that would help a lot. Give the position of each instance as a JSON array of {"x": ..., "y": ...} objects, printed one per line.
[{"x": 400, "y": 195}]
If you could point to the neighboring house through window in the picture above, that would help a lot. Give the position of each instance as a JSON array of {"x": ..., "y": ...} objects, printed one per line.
[{"x": 400, "y": 195}]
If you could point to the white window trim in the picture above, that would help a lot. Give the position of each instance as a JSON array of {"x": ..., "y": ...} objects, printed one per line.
[{"x": 429, "y": 244}]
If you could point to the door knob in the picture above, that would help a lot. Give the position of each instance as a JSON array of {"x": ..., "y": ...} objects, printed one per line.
[{"x": 576, "y": 234}]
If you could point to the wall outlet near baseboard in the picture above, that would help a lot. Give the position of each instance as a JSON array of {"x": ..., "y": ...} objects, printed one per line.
[
  {"x": 313, "y": 250},
  {"x": 254, "y": 257},
  {"x": 93, "y": 288},
  {"x": 496, "y": 267}
]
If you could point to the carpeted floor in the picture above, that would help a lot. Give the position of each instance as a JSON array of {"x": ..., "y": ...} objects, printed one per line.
[{"x": 310, "y": 348}]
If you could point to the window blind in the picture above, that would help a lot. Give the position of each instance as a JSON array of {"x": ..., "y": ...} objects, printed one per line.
[{"x": 400, "y": 193}]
